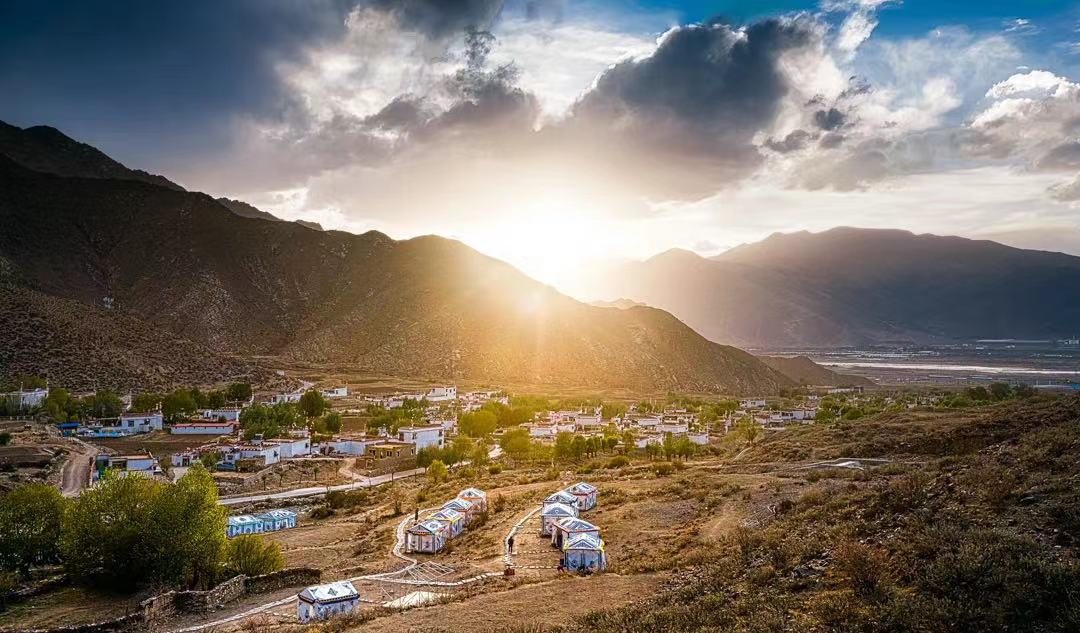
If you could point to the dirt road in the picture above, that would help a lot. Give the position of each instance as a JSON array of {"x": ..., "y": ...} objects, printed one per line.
[{"x": 75, "y": 474}]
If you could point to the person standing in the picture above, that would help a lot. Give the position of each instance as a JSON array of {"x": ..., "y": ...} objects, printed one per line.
[{"x": 510, "y": 544}]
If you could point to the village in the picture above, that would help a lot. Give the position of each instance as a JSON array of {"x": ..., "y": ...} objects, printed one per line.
[{"x": 393, "y": 501}]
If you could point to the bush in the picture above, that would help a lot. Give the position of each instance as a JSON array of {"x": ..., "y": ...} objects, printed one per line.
[
  {"x": 5, "y": 438},
  {"x": 322, "y": 512},
  {"x": 495, "y": 469},
  {"x": 663, "y": 469},
  {"x": 866, "y": 568},
  {"x": 619, "y": 461},
  {"x": 30, "y": 517},
  {"x": 250, "y": 556}
]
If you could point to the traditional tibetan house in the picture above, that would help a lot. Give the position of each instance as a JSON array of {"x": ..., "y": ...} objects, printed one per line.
[
  {"x": 585, "y": 494},
  {"x": 563, "y": 529},
  {"x": 467, "y": 508},
  {"x": 324, "y": 601},
  {"x": 475, "y": 495},
  {"x": 454, "y": 520},
  {"x": 553, "y": 512},
  {"x": 584, "y": 552},
  {"x": 427, "y": 537}
]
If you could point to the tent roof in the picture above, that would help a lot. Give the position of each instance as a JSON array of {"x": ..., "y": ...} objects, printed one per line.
[
  {"x": 584, "y": 541},
  {"x": 472, "y": 492},
  {"x": 581, "y": 488},
  {"x": 332, "y": 592},
  {"x": 446, "y": 514},
  {"x": 427, "y": 526},
  {"x": 561, "y": 496},
  {"x": 558, "y": 510},
  {"x": 571, "y": 524}
]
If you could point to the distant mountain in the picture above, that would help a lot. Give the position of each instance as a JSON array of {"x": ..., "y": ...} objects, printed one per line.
[
  {"x": 804, "y": 371},
  {"x": 183, "y": 265},
  {"x": 46, "y": 149},
  {"x": 621, "y": 304},
  {"x": 245, "y": 210},
  {"x": 851, "y": 286}
]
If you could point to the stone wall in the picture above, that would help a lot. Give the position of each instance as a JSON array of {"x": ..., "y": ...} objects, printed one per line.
[
  {"x": 281, "y": 579},
  {"x": 172, "y": 602}
]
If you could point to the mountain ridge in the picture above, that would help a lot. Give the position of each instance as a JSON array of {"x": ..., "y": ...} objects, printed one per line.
[
  {"x": 183, "y": 263},
  {"x": 849, "y": 286}
]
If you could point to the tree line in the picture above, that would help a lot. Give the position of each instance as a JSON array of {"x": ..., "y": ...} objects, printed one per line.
[{"x": 128, "y": 532}]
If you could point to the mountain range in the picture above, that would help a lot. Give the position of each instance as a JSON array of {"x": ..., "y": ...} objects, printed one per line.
[
  {"x": 855, "y": 287},
  {"x": 103, "y": 267}
]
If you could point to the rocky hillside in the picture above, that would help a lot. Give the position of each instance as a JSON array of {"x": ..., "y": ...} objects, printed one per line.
[
  {"x": 83, "y": 347},
  {"x": 859, "y": 286},
  {"x": 183, "y": 264}
]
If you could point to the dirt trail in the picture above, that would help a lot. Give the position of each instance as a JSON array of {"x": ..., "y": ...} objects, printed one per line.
[{"x": 75, "y": 474}]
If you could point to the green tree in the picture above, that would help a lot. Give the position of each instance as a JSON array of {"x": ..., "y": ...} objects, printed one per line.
[
  {"x": 748, "y": 430},
  {"x": 516, "y": 443},
  {"x": 564, "y": 445},
  {"x": 30, "y": 518},
  {"x": 178, "y": 406},
  {"x": 145, "y": 402},
  {"x": 269, "y": 421},
  {"x": 612, "y": 410},
  {"x": 479, "y": 455},
  {"x": 210, "y": 460},
  {"x": 215, "y": 399},
  {"x": 60, "y": 406},
  {"x": 437, "y": 472},
  {"x": 312, "y": 403},
  {"x": 478, "y": 423},
  {"x": 104, "y": 404},
  {"x": 332, "y": 422},
  {"x": 249, "y": 555},
  {"x": 187, "y": 531},
  {"x": 131, "y": 531},
  {"x": 238, "y": 392}
]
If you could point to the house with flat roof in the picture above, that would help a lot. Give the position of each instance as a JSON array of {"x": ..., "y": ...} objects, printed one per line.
[
  {"x": 423, "y": 436},
  {"x": 203, "y": 428}
]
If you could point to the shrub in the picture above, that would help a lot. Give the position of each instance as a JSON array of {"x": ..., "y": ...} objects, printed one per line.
[
  {"x": 498, "y": 503},
  {"x": 5, "y": 438},
  {"x": 495, "y": 469},
  {"x": 250, "y": 556},
  {"x": 322, "y": 512},
  {"x": 866, "y": 568},
  {"x": 662, "y": 469},
  {"x": 619, "y": 461}
]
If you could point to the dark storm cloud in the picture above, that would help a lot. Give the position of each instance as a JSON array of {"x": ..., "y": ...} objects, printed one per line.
[
  {"x": 698, "y": 101},
  {"x": 793, "y": 142},
  {"x": 441, "y": 18},
  {"x": 1063, "y": 157},
  {"x": 143, "y": 78},
  {"x": 830, "y": 119}
]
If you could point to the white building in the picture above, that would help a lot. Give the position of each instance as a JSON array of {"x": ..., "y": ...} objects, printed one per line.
[
  {"x": 291, "y": 448},
  {"x": 142, "y": 422},
  {"x": 441, "y": 394},
  {"x": 229, "y": 414},
  {"x": 752, "y": 403},
  {"x": 126, "y": 465},
  {"x": 335, "y": 392},
  {"x": 282, "y": 398},
  {"x": 423, "y": 436},
  {"x": 203, "y": 428},
  {"x": 26, "y": 398}
]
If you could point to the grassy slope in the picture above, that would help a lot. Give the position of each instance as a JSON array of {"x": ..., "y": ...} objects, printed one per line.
[{"x": 978, "y": 536}]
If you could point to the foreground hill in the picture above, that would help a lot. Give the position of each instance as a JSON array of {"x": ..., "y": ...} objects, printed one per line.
[
  {"x": 427, "y": 307},
  {"x": 857, "y": 286}
]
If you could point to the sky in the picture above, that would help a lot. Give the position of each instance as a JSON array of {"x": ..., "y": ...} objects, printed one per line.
[{"x": 560, "y": 135}]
